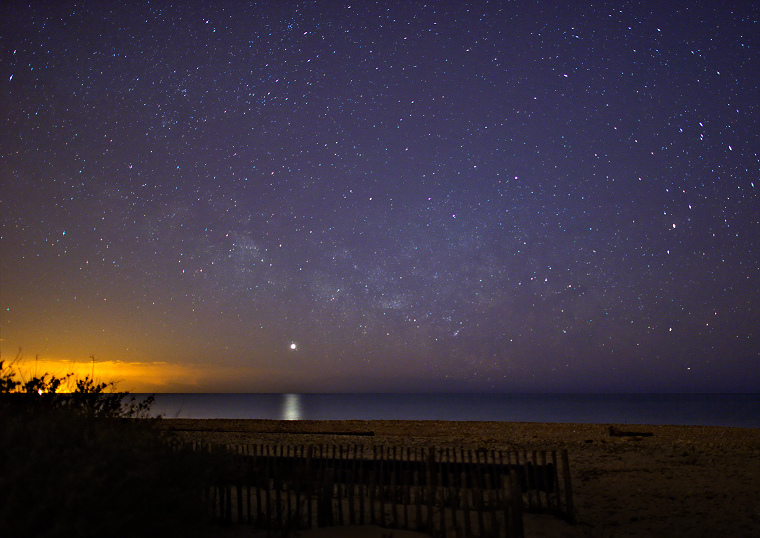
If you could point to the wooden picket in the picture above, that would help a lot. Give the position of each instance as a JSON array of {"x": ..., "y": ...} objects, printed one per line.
[{"x": 439, "y": 491}]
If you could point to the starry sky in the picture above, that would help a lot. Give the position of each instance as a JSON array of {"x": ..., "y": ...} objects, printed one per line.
[{"x": 525, "y": 196}]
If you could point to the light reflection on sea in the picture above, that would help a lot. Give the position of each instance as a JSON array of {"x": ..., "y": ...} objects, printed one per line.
[{"x": 291, "y": 408}]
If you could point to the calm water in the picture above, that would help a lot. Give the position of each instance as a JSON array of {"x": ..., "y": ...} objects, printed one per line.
[{"x": 698, "y": 409}]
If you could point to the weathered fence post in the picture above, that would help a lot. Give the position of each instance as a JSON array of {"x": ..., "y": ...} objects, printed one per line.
[
  {"x": 557, "y": 496},
  {"x": 440, "y": 482},
  {"x": 362, "y": 483},
  {"x": 238, "y": 483},
  {"x": 568, "y": 486},
  {"x": 325, "y": 501},
  {"x": 431, "y": 487},
  {"x": 350, "y": 478},
  {"x": 452, "y": 491},
  {"x": 381, "y": 489},
  {"x": 466, "y": 492},
  {"x": 416, "y": 480},
  {"x": 515, "y": 505},
  {"x": 340, "y": 483},
  {"x": 407, "y": 485}
]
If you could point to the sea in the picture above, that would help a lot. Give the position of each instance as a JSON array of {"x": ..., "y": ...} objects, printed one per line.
[{"x": 737, "y": 410}]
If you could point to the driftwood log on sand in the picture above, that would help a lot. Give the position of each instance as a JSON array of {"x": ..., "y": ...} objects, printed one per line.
[{"x": 614, "y": 432}]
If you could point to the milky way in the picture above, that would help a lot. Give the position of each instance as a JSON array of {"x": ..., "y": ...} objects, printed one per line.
[{"x": 515, "y": 196}]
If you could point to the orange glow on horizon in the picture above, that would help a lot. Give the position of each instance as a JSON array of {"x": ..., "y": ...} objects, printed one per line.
[{"x": 137, "y": 377}]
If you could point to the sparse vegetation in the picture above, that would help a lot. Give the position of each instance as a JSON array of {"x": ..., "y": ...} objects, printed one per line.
[{"x": 89, "y": 463}]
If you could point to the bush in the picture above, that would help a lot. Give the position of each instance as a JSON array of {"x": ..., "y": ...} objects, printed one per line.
[{"x": 90, "y": 463}]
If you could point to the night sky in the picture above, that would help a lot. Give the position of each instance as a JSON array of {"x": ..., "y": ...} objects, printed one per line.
[{"x": 527, "y": 196}]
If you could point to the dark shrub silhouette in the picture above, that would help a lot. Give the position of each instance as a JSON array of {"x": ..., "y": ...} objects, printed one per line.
[{"x": 90, "y": 463}]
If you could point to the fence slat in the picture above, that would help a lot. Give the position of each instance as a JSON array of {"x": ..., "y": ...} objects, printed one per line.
[
  {"x": 362, "y": 480},
  {"x": 430, "y": 484},
  {"x": 568, "y": 487},
  {"x": 466, "y": 499}
]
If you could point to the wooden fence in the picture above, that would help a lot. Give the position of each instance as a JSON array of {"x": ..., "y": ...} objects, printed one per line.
[{"x": 440, "y": 491}]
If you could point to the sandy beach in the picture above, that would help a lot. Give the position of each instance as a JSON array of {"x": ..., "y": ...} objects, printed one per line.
[{"x": 676, "y": 481}]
